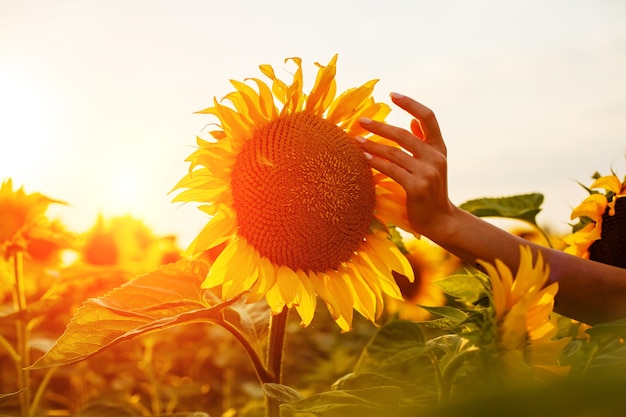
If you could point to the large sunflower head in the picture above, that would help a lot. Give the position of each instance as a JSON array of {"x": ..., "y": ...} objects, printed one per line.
[
  {"x": 523, "y": 306},
  {"x": 600, "y": 233},
  {"x": 293, "y": 199},
  {"x": 23, "y": 219}
]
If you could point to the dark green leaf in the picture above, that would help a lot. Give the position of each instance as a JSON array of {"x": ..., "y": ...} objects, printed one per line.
[
  {"x": 523, "y": 207},
  {"x": 466, "y": 287},
  {"x": 448, "y": 312},
  {"x": 608, "y": 330}
]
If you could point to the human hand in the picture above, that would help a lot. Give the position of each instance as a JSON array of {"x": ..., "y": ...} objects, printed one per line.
[{"x": 421, "y": 170}]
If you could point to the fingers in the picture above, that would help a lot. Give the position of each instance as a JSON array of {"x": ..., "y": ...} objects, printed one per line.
[
  {"x": 386, "y": 158},
  {"x": 396, "y": 165},
  {"x": 426, "y": 122},
  {"x": 402, "y": 137}
]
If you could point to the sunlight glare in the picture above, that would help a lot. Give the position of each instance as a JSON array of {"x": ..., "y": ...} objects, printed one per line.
[
  {"x": 27, "y": 120},
  {"x": 125, "y": 192}
]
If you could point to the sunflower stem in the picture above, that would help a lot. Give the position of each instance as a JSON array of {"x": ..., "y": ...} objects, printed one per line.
[
  {"x": 545, "y": 235},
  {"x": 278, "y": 326},
  {"x": 261, "y": 372},
  {"x": 22, "y": 345},
  {"x": 450, "y": 371}
]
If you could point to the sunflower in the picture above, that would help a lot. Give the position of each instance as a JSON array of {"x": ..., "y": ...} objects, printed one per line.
[
  {"x": 294, "y": 200},
  {"x": 430, "y": 263},
  {"x": 525, "y": 329},
  {"x": 128, "y": 243},
  {"x": 23, "y": 219},
  {"x": 600, "y": 232}
]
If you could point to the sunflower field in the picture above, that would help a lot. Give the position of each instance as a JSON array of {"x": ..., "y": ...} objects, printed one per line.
[{"x": 257, "y": 316}]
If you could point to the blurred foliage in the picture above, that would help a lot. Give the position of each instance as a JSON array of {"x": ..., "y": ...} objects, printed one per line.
[{"x": 114, "y": 323}]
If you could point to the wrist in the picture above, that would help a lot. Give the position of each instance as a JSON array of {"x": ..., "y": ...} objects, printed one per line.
[{"x": 444, "y": 229}]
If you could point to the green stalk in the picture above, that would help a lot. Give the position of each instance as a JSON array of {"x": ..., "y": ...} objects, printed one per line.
[
  {"x": 438, "y": 377},
  {"x": 22, "y": 348},
  {"x": 148, "y": 362},
  {"x": 450, "y": 371},
  {"x": 41, "y": 389},
  {"x": 262, "y": 373},
  {"x": 278, "y": 326}
]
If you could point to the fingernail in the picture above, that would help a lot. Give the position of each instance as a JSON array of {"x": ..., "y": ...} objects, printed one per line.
[
  {"x": 360, "y": 139},
  {"x": 365, "y": 120},
  {"x": 396, "y": 96},
  {"x": 368, "y": 156}
]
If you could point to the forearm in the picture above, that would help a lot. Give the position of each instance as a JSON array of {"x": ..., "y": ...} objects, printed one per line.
[{"x": 589, "y": 291}]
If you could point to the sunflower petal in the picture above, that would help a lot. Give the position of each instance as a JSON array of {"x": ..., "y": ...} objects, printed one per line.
[
  {"x": 307, "y": 300},
  {"x": 287, "y": 282},
  {"x": 219, "y": 269},
  {"x": 366, "y": 297},
  {"x": 593, "y": 207},
  {"x": 243, "y": 271},
  {"x": 609, "y": 183},
  {"x": 217, "y": 230},
  {"x": 266, "y": 280},
  {"x": 318, "y": 97},
  {"x": 251, "y": 102},
  {"x": 390, "y": 255},
  {"x": 348, "y": 103}
]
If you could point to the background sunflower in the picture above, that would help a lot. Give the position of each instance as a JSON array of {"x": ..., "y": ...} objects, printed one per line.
[{"x": 600, "y": 233}]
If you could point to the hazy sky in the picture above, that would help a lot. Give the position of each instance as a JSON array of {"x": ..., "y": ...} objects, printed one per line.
[{"x": 97, "y": 97}]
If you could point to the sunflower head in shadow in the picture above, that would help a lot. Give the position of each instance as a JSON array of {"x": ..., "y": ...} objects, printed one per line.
[
  {"x": 600, "y": 233},
  {"x": 293, "y": 200}
]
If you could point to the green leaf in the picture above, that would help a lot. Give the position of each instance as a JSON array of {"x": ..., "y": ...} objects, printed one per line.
[
  {"x": 282, "y": 393},
  {"x": 362, "y": 380},
  {"x": 523, "y": 207},
  {"x": 448, "y": 312},
  {"x": 397, "y": 352},
  {"x": 466, "y": 287},
  {"x": 608, "y": 330},
  {"x": 394, "y": 337},
  {"x": 252, "y": 319},
  {"x": 164, "y": 298},
  {"x": 374, "y": 402}
]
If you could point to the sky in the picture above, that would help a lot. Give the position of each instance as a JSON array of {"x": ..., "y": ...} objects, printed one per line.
[{"x": 97, "y": 98}]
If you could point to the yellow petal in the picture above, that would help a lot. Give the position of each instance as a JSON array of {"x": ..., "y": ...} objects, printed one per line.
[
  {"x": 275, "y": 299},
  {"x": 349, "y": 102},
  {"x": 390, "y": 255},
  {"x": 250, "y": 102},
  {"x": 365, "y": 300},
  {"x": 266, "y": 279},
  {"x": 338, "y": 285},
  {"x": 498, "y": 292},
  {"x": 266, "y": 100},
  {"x": 319, "y": 96},
  {"x": 593, "y": 207},
  {"x": 242, "y": 271},
  {"x": 217, "y": 273},
  {"x": 307, "y": 300},
  {"x": 287, "y": 282},
  {"x": 609, "y": 183},
  {"x": 376, "y": 264},
  {"x": 218, "y": 230},
  {"x": 321, "y": 286},
  {"x": 279, "y": 88}
]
